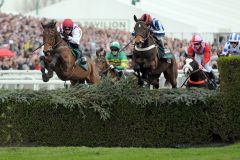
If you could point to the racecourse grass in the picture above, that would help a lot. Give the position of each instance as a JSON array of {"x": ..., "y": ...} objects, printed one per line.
[{"x": 231, "y": 152}]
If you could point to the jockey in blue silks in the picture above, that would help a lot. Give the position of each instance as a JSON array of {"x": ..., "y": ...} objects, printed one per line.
[
  {"x": 232, "y": 47},
  {"x": 156, "y": 28}
]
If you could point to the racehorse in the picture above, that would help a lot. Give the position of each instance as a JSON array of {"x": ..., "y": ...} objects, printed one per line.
[
  {"x": 146, "y": 61},
  {"x": 196, "y": 77},
  {"x": 59, "y": 58},
  {"x": 103, "y": 66}
]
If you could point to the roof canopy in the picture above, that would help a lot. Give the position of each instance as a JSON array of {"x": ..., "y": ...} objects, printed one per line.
[{"x": 180, "y": 18}]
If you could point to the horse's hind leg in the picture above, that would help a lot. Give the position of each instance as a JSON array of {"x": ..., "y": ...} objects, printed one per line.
[{"x": 170, "y": 78}]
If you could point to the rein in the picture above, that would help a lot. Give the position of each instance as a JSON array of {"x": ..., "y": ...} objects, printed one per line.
[
  {"x": 104, "y": 71},
  {"x": 198, "y": 82},
  {"x": 38, "y": 47},
  {"x": 126, "y": 44},
  {"x": 189, "y": 76}
]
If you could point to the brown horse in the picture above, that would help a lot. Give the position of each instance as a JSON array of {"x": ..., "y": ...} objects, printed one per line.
[
  {"x": 103, "y": 65},
  {"x": 146, "y": 62},
  {"x": 59, "y": 58}
]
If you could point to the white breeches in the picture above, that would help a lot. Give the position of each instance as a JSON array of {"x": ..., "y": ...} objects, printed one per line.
[{"x": 199, "y": 59}]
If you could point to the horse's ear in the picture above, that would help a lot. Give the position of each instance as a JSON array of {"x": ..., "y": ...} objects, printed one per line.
[
  {"x": 135, "y": 18},
  {"x": 42, "y": 25},
  {"x": 104, "y": 53},
  {"x": 53, "y": 22}
]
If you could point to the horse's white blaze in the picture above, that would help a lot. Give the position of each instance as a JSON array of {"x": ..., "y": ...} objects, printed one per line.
[
  {"x": 139, "y": 26},
  {"x": 187, "y": 66}
]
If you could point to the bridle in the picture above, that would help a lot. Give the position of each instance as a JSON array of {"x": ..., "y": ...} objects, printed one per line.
[
  {"x": 55, "y": 46},
  {"x": 139, "y": 34}
]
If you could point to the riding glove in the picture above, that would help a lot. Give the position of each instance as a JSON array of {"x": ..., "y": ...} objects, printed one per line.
[
  {"x": 111, "y": 66},
  {"x": 65, "y": 36}
]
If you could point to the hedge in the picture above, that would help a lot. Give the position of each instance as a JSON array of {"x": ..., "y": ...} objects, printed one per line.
[{"x": 121, "y": 114}]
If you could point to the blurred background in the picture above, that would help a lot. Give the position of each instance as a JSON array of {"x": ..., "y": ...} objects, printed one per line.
[{"x": 103, "y": 21}]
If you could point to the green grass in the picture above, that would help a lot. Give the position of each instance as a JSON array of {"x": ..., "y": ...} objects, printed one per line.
[{"x": 231, "y": 152}]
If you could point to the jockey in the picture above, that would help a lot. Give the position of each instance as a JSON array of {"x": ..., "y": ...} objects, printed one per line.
[
  {"x": 156, "y": 28},
  {"x": 232, "y": 47},
  {"x": 201, "y": 52},
  {"x": 117, "y": 59},
  {"x": 72, "y": 33}
]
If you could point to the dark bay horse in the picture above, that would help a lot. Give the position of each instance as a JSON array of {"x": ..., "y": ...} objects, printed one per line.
[
  {"x": 146, "y": 62},
  {"x": 59, "y": 58},
  {"x": 196, "y": 77}
]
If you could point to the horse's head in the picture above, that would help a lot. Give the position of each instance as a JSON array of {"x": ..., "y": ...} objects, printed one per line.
[
  {"x": 51, "y": 37},
  {"x": 190, "y": 66},
  {"x": 100, "y": 52},
  {"x": 142, "y": 31},
  {"x": 101, "y": 61}
]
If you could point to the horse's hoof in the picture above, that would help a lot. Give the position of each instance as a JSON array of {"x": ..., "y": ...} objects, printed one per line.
[
  {"x": 45, "y": 78},
  {"x": 156, "y": 86},
  {"x": 141, "y": 83}
]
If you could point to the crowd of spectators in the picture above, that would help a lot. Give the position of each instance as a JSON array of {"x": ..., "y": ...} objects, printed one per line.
[{"x": 22, "y": 35}]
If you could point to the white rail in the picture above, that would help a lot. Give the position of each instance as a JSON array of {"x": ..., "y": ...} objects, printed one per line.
[{"x": 32, "y": 79}]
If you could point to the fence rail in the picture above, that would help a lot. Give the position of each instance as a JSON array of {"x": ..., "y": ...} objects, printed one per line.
[{"x": 32, "y": 79}]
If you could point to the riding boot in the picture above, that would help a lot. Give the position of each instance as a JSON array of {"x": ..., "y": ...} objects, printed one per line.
[
  {"x": 212, "y": 78},
  {"x": 161, "y": 50},
  {"x": 80, "y": 60}
]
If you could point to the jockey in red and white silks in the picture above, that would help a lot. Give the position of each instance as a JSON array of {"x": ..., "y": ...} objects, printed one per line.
[
  {"x": 76, "y": 33},
  {"x": 201, "y": 52}
]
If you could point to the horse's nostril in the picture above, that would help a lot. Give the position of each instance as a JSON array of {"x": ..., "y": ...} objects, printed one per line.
[{"x": 137, "y": 42}]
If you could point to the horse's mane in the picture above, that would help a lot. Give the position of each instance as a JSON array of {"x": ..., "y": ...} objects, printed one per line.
[{"x": 51, "y": 24}]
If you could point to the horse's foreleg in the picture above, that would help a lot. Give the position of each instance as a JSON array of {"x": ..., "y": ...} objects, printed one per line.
[
  {"x": 136, "y": 68},
  {"x": 144, "y": 70},
  {"x": 43, "y": 66}
]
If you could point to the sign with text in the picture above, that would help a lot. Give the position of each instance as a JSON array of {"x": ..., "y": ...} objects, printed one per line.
[{"x": 123, "y": 24}]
